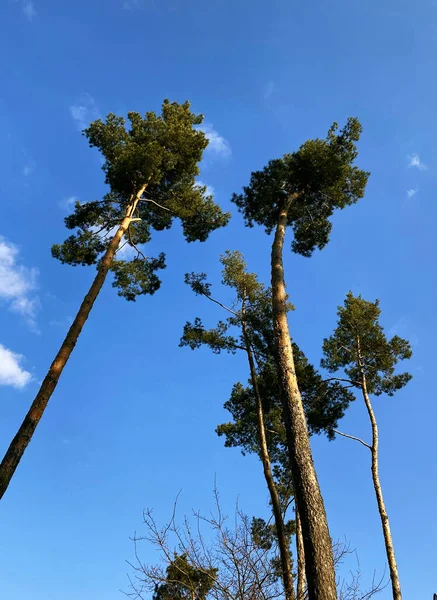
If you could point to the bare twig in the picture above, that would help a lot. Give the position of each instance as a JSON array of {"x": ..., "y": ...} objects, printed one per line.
[
  {"x": 353, "y": 383},
  {"x": 133, "y": 245},
  {"x": 352, "y": 437},
  {"x": 154, "y": 202}
]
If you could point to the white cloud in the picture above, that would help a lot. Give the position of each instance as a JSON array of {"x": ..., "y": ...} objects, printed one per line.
[
  {"x": 11, "y": 373},
  {"x": 414, "y": 161},
  {"x": 28, "y": 169},
  {"x": 68, "y": 203},
  {"x": 16, "y": 284},
  {"x": 209, "y": 189},
  {"x": 411, "y": 193},
  {"x": 84, "y": 111},
  {"x": 27, "y": 8},
  {"x": 217, "y": 143}
]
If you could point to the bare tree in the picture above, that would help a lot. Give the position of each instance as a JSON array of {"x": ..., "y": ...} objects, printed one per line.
[
  {"x": 235, "y": 563},
  {"x": 243, "y": 568}
]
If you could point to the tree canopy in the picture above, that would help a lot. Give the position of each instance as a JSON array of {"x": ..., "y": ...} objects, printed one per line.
[
  {"x": 314, "y": 180},
  {"x": 160, "y": 152},
  {"x": 360, "y": 347}
]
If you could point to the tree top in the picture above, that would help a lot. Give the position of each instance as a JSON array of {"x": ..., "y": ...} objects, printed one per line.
[
  {"x": 360, "y": 347},
  {"x": 311, "y": 182}
]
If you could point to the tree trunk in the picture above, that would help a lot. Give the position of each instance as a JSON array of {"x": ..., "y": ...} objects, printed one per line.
[
  {"x": 48, "y": 386},
  {"x": 301, "y": 580},
  {"x": 284, "y": 550},
  {"x": 319, "y": 563},
  {"x": 391, "y": 558}
]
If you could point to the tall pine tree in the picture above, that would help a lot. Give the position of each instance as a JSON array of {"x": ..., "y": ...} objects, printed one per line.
[
  {"x": 359, "y": 348},
  {"x": 257, "y": 412},
  {"x": 150, "y": 167},
  {"x": 301, "y": 190}
]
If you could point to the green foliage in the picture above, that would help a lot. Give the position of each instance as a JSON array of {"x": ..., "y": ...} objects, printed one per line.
[
  {"x": 360, "y": 347},
  {"x": 137, "y": 276},
  {"x": 265, "y": 537},
  {"x": 320, "y": 177},
  {"x": 184, "y": 581},
  {"x": 324, "y": 402},
  {"x": 162, "y": 152},
  {"x": 195, "y": 335}
]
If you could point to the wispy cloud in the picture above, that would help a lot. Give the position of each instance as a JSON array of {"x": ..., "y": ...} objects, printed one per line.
[
  {"x": 414, "y": 161},
  {"x": 209, "y": 189},
  {"x": 269, "y": 90},
  {"x": 28, "y": 168},
  {"x": 218, "y": 145},
  {"x": 27, "y": 8},
  {"x": 63, "y": 323},
  {"x": 411, "y": 192},
  {"x": 17, "y": 283},
  {"x": 404, "y": 328},
  {"x": 68, "y": 203},
  {"x": 84, "y": 111},
  {"x": 133, "y": 4},
  {"x": 11, "y": 372}
]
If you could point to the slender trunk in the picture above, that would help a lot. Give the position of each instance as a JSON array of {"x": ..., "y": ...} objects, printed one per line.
[
  {"x": 301, "y": 579},
  {"x": 24, "y": 435},
  {"x": 391, "y": 558},
  {"x": 284, "y": 550},
  {"x": 319, "y": 563}
]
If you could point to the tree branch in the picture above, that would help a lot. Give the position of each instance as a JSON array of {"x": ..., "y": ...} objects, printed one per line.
[
  {"x": 352, "y": 437},
  {"x": 153, "y": 202},
  {"x": 222, "y": 305},
  {"x": 354, "y": 383},
  {"x": 133, "y": 245}
]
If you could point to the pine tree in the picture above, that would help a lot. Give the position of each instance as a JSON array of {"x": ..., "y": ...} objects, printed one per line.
[
  {"x": 360, "y": 348},
  {"x": 257, "y": 412},
  {"x": 150, "y": 168},
  {"x": 185, "y": 581},
  {"x": 302, "y": 190}
]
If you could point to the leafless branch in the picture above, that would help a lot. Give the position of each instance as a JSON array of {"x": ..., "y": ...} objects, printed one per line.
[
  {"x": 353, "y": 383},
  {"x": 154, "y": 202},
  {"x": 133, "y": 245},
  {"x": 352, "y": 437}
]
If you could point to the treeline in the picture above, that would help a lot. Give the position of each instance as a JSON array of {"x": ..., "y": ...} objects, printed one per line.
[{"x": 151, "y": 163}]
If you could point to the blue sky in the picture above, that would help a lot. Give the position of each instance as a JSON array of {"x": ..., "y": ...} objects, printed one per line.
[{"x": 132, "y": 421}]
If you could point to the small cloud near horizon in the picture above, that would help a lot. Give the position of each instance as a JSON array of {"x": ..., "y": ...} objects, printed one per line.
[{"x": 411, "y": 192}]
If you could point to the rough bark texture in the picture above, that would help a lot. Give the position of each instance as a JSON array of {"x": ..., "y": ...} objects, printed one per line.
[
  {"x": 24, "y": 434},
  {"x": 319, "y": 563},
  {"x": 284, "y": 550},
  {"x": 391, "y": 558},
  {"x": 301, "y": 579}
]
